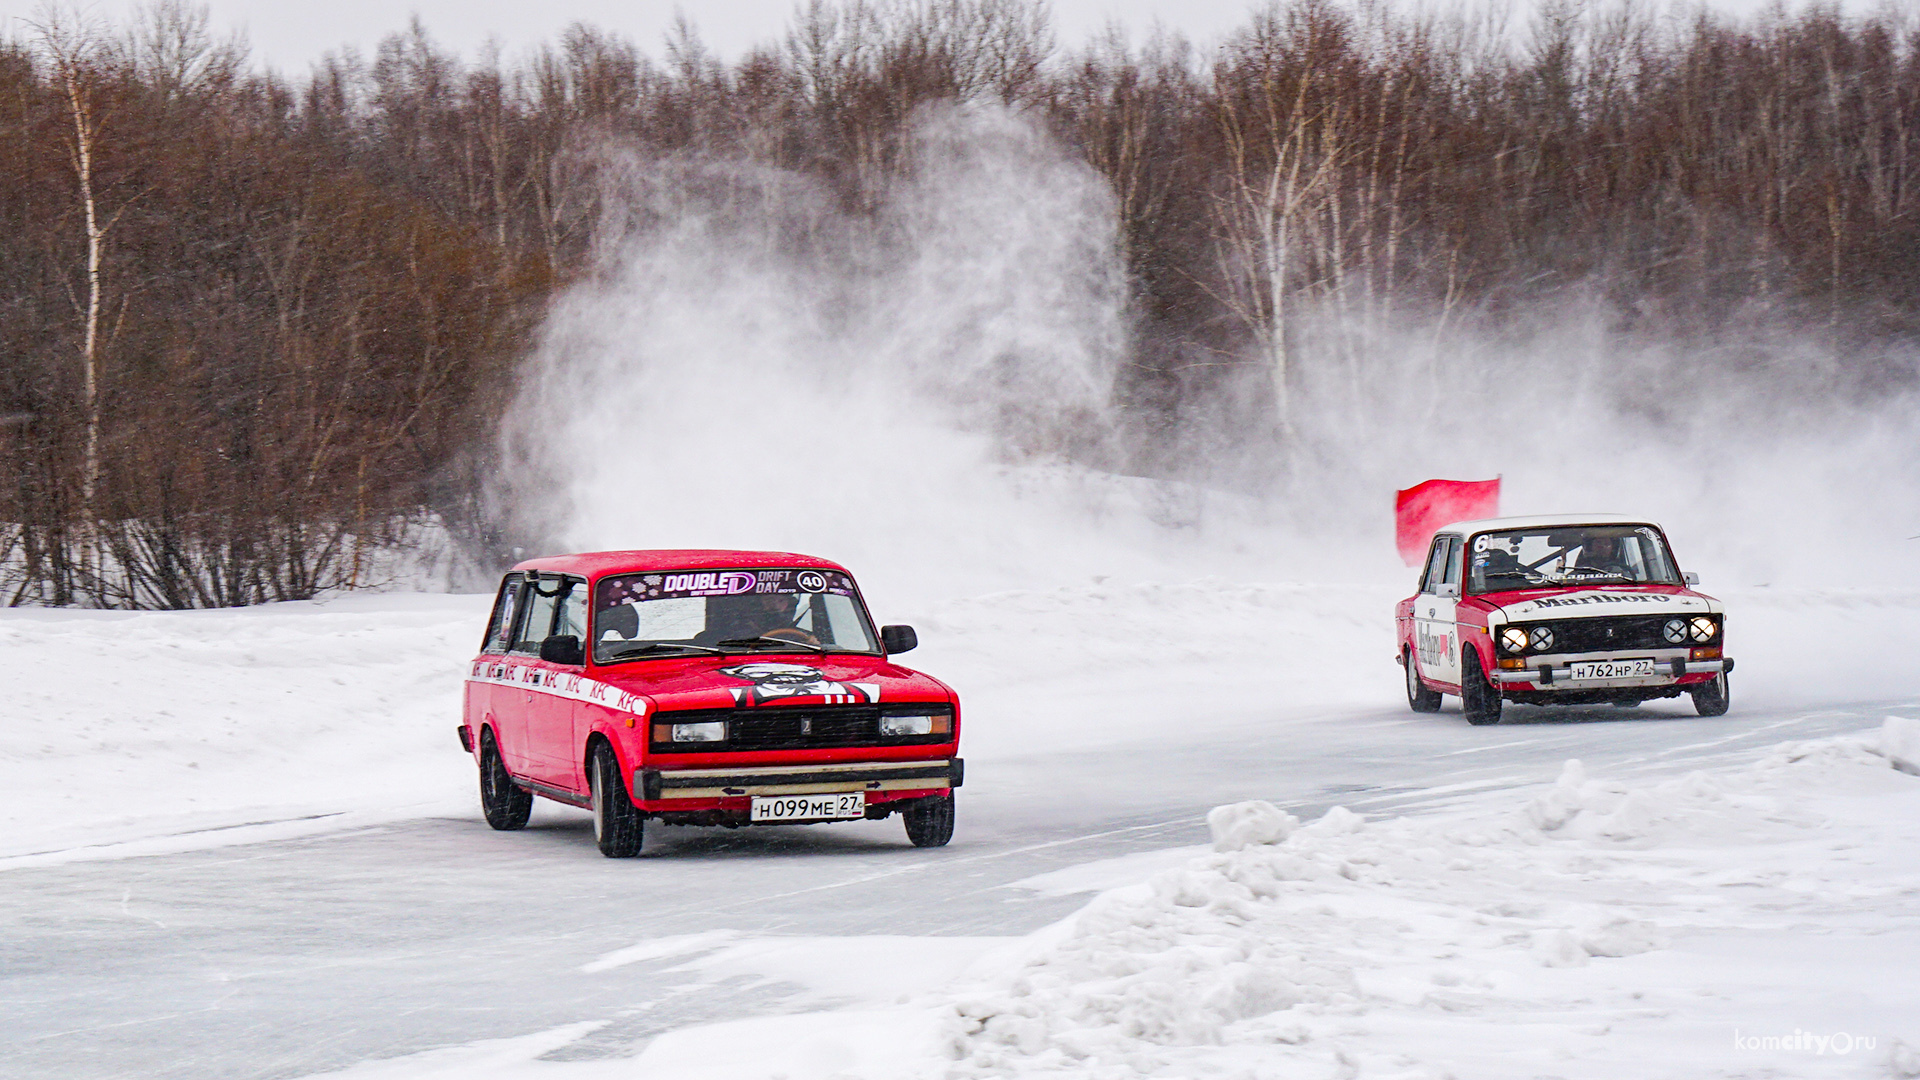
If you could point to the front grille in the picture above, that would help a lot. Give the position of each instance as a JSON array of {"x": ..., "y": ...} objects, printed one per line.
[
  {"x": 777, "y": 727},
  {"x": 1609, "y": 634}
]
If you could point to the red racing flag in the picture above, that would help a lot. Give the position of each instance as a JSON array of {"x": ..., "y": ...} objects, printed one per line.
[{"x": 1420, "y": 511}]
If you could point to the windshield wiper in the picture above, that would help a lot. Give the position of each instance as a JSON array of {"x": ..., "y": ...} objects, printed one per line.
[
  {"x": 765, "y": 639},
  {"x": 638, "y": 650}
]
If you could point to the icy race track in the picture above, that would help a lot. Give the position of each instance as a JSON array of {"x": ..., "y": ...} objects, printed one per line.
[{"x": 245, "y": 844}]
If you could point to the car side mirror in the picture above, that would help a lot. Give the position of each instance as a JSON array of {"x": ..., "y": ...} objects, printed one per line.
[
  {"x": 898, "y": 639},
  {"x": 1451, "y": 591},
  {"x": 563, "y": 649},
  {"x": 1690, "y": 578}
]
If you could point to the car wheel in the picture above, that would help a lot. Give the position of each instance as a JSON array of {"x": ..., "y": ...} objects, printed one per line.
[
  {"x": 1419, "y": 698},
  {"x": 1629, "y": 703},
  {"x": 1478, "y": 699},
  {"x": 506, "y": 804},
  {"x": 617, "y": 825},
  {"x": 930, "y": 821},
  {"x": 1712, "y": 698}
]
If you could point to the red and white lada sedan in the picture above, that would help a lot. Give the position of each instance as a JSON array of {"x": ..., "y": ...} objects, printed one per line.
[
  {"x": 1559, "y": 611},
  {"x": 704, "y": 688}
]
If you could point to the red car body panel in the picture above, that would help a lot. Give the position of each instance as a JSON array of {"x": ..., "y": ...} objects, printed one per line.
[{"x": 544, "y": 716}]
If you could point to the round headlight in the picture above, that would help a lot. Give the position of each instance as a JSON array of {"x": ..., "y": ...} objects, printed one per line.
[
  {"x": 1703, "y": 628},
  {"x": 1541, "y": 638},
  {"x": 1675, "y": 631},
  {"x": 1514, "y": 639}
]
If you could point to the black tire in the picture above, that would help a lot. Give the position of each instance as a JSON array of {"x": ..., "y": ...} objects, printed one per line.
[
  {"x": 1419, "y": 697},
  {"x": 930, "y": 821},
  {"x": 506, "y": 804},
  {"x": 617, "y": 825},
  {"x": 1478, "y": 699},
  {"x": 1712, "y": 698},
  {"x": 1632, "y": 704}
]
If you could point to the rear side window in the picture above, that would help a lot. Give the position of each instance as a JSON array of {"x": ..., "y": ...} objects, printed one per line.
[{"x": 505, "y": 607}]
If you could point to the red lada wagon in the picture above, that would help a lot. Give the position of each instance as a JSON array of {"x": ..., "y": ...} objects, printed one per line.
[{"x": 704, "y": 688}]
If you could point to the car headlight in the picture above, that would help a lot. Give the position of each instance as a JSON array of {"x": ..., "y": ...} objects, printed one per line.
[
  {"x": 1514, "y": 639},
  {"x": 710, "y": 731},
  {"x": 1675, "y": 631},
  {"x": 893, "y": 726},
  {"x": 1703, "y": 628},
  {"x": 1541, "y": 638}
]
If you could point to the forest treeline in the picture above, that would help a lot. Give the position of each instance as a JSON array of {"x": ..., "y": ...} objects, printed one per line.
[{"x": 255, "y": 328}]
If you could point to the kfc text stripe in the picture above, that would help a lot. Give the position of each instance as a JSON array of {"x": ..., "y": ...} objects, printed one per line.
[{"x": 558, "y": 684}]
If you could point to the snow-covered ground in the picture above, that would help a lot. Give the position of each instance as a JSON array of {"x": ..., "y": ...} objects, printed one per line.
[
  {"x": 1750, "y": 921},
  {"x": 136, "y": 732},
  {"x": 1697, "y": 889}
]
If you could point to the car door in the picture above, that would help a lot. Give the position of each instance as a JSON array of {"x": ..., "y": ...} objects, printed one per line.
[
  {"x": 1436, "y": 635},
  {"x": 515, "y": 703},
  {"x": 551, "y": 717}
]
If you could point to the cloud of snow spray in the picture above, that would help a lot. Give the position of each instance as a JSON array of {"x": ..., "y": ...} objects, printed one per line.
[
  {"x": 1766, "y": 468},
  {"x": 902, "y": 391},
  {"x": 925, "y": 393}
]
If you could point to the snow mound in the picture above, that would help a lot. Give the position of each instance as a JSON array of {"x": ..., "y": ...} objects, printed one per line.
[
  {"x": 1289, "y": 942},
  {"x": 1239, "y": 825},
  {"x": 1900, "y": 742}
]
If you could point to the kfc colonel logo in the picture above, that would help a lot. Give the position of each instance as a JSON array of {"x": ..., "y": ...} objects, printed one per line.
[{"x": 796, "y": 684}]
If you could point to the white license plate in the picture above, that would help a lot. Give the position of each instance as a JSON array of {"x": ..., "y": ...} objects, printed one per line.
[
  {"x": 1609, "y": 669},
  {"x": 845, "y": 804}
]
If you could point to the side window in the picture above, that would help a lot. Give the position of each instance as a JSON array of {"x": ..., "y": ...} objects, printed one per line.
[
  {"x": 1454, "y": 545},
  {"x": 1436, "y": 561},
  {"x": 573, "y": 610},
  {"x": 540, "y": 599},
  {"x": 505, "y": 607}
]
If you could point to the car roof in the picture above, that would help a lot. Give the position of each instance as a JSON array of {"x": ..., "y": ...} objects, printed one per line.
[
  {"x": 1542, "y": 521},
  {"x": 593, "y": 564}
]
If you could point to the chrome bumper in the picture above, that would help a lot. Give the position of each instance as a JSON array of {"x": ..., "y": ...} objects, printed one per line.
[
  {"x": 655, "y": 784},
  {"x": 1664, "y": 671}
]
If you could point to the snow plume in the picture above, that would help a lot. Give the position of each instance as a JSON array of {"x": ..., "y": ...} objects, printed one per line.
[
  {"x": 1766, "y": 460},
  {"x": 911, "y": 388}
]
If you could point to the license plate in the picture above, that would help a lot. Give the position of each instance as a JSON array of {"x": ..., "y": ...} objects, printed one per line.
[
  {"x": 1609, "y": 669},
  {"x": 845, "y": 804}
]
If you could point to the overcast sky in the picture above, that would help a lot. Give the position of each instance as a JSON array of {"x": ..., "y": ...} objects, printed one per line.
[{"x": 291, "y": 35}]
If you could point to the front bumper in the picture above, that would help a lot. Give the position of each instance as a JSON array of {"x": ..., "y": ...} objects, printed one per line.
[
  {"x": 656, "y": 785},
  {"x": 1666, "y": 673}
]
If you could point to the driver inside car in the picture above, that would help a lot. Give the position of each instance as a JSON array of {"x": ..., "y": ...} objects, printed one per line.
[
  {"x": 1603, "y": 554},
  {"x": 751, "y": 616}
]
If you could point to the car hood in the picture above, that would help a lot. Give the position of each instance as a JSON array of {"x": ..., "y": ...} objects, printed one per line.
[
  {"x": 1596, "y": 601},
  {"x": 770, "y": 681}
]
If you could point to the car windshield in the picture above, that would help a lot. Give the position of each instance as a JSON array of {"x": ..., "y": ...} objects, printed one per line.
[
  {"x": 670, "y": 613},
  {"x": 1579, "y": 555}
]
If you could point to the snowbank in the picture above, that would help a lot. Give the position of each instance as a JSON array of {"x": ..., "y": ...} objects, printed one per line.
[{"x": 1599, "y": 929}]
